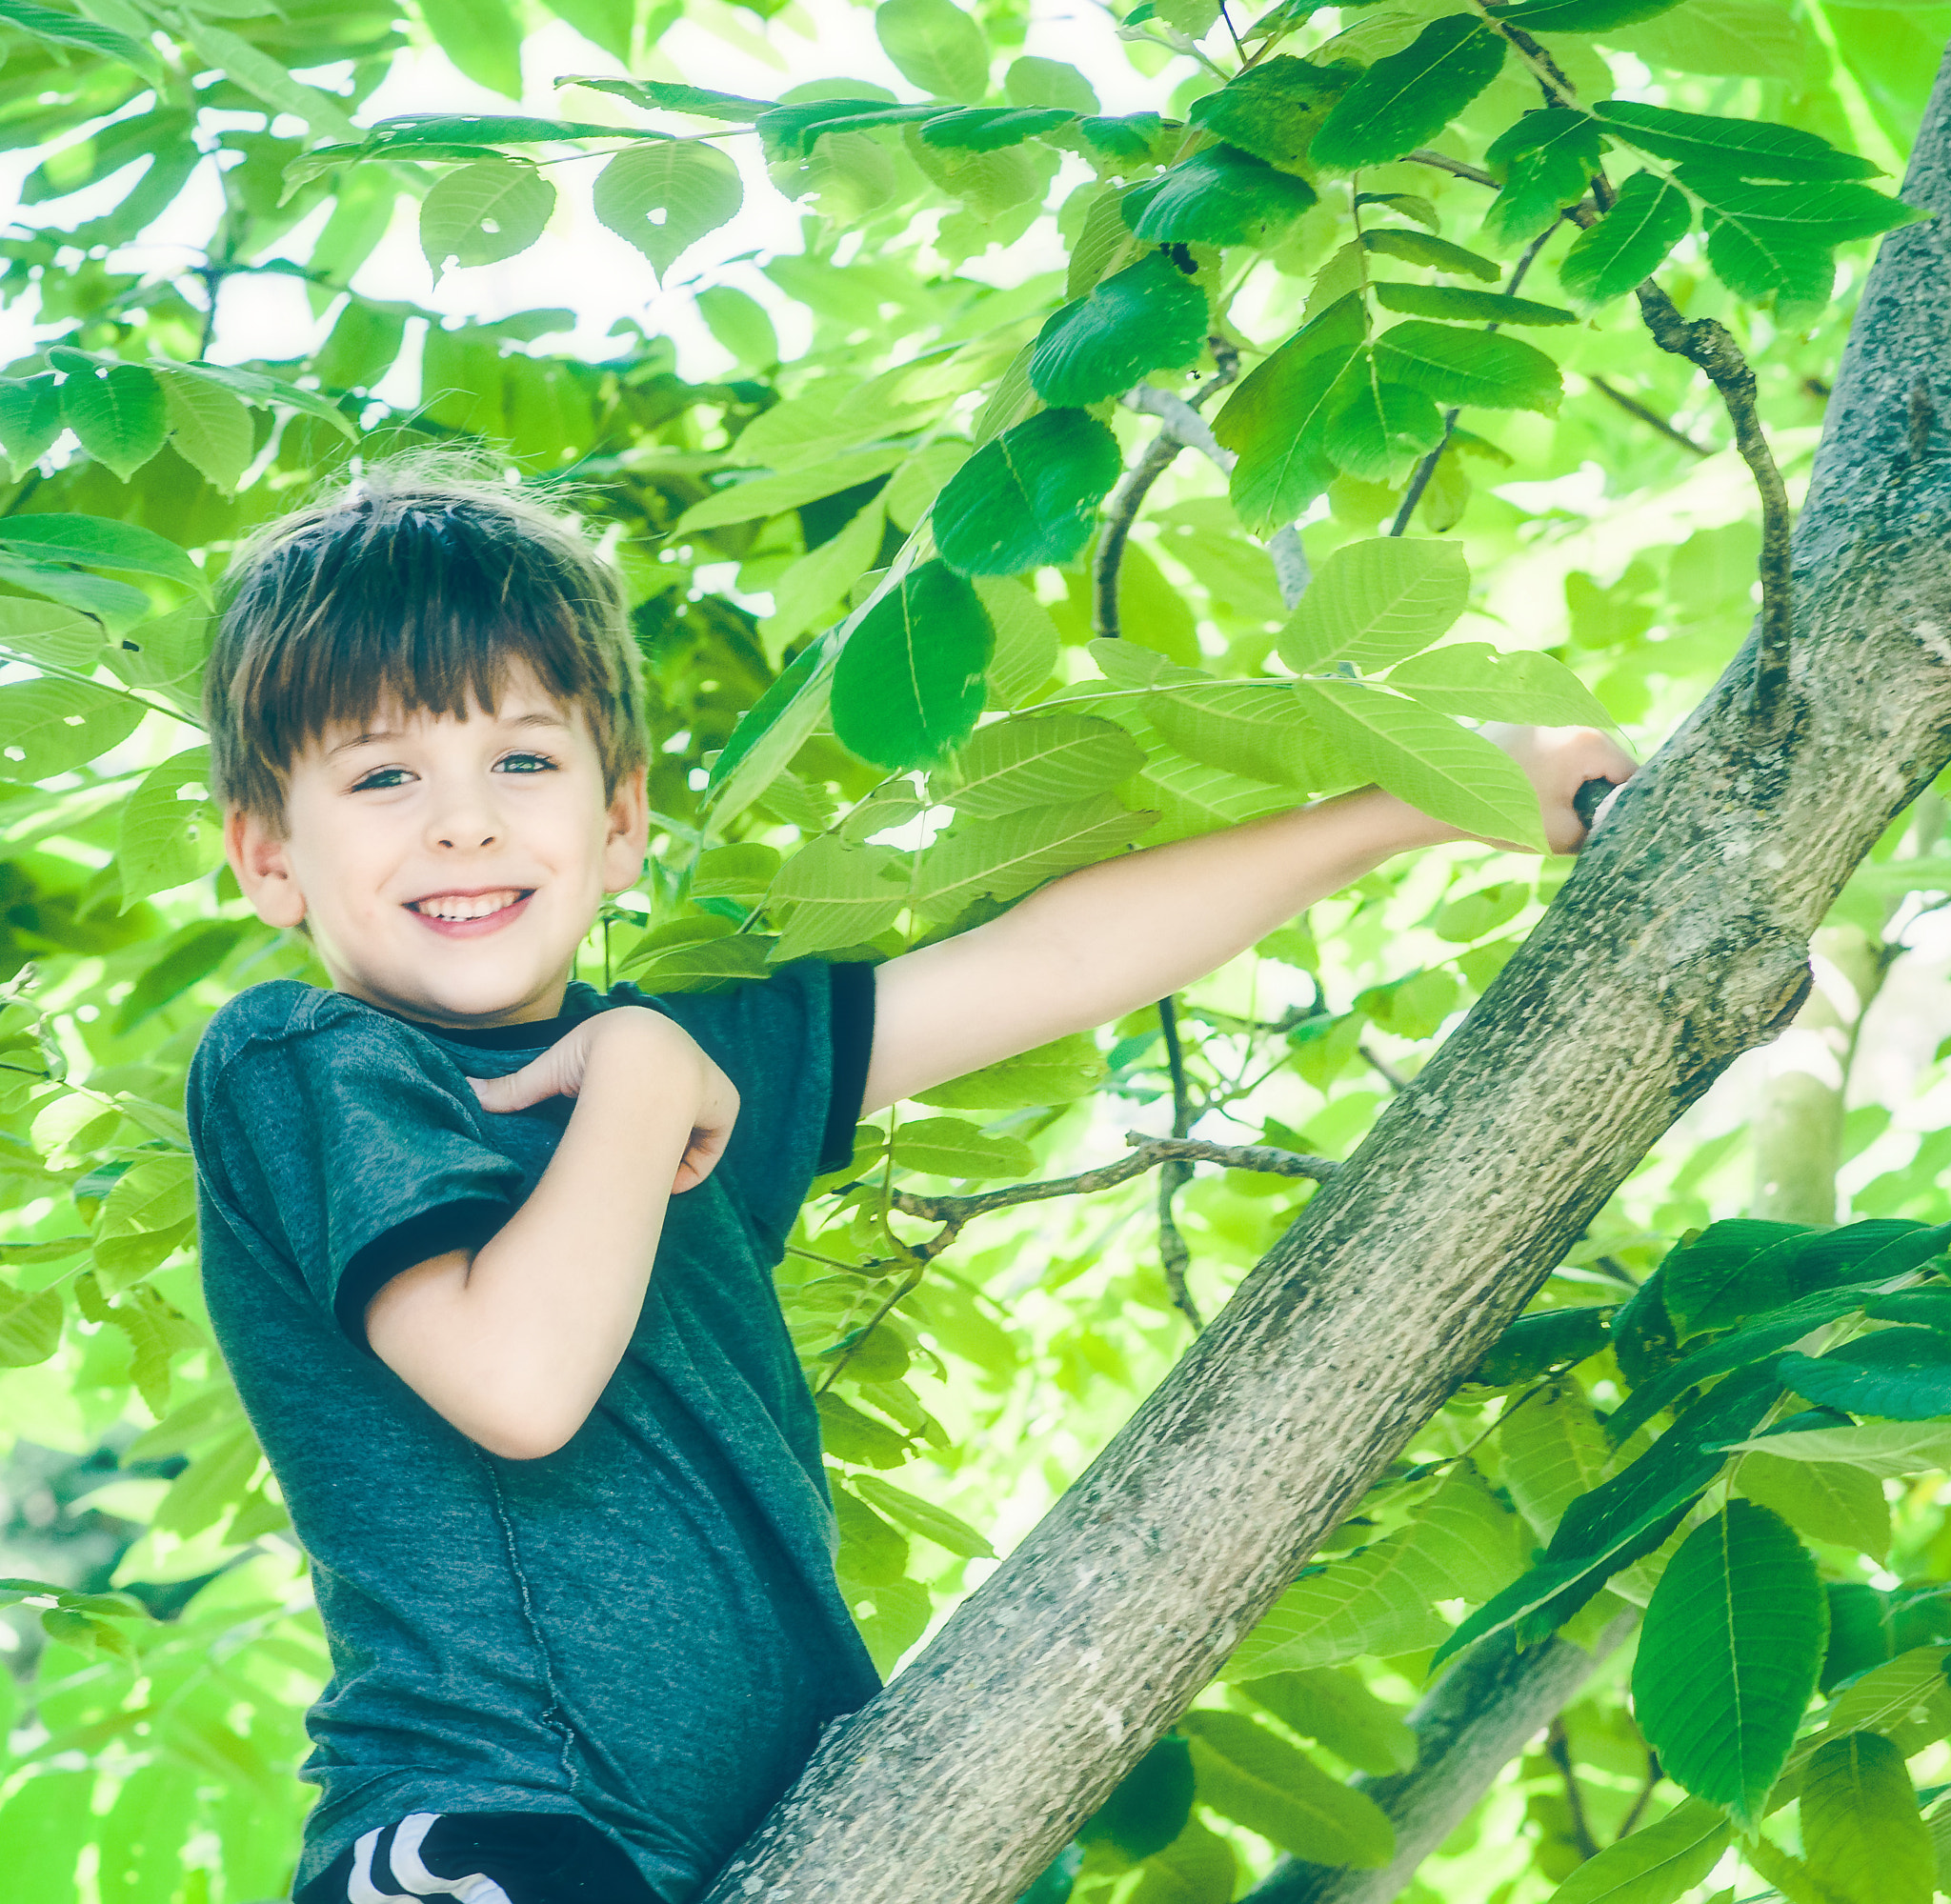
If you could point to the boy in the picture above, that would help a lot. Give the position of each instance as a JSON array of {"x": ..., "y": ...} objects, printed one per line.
[{"x": 566, "y": 1516}]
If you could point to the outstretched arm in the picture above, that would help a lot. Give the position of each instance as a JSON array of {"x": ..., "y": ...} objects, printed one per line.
[{"x": 1104, "y": 940}]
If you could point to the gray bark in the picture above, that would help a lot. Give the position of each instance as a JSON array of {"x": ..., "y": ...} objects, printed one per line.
[
  {"x": 1679, "y": 941},
  {"x": 1468, "y": 1727}
]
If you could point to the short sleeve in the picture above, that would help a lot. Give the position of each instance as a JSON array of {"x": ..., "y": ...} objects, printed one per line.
[
  {"x": 796, "y": 1048},
  {"x": 354, "y": 1143}
]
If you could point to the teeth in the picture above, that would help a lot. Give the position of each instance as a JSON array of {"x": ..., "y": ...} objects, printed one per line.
[{"x": 451, "y": 906}]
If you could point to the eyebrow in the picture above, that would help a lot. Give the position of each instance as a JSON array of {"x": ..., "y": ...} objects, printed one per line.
[{"x": 371, "y": 734}]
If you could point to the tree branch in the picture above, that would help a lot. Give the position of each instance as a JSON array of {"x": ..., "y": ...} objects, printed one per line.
[
  {"x": 1652, "y": 418},
  {"x": 1173, "y": 1253},
  {"x": 1707, "y": 346},
  {"x": 1558, "y": 1747},
  {"x": 1428, "y": 155}
]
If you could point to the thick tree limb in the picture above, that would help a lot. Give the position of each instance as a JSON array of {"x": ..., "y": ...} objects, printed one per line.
[
  {"x": 1468, "y": 1727},
  {"x": 1679, "y": 941}
]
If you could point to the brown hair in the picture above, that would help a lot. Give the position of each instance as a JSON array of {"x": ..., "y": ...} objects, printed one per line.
[{"x": 420, "y": 583}]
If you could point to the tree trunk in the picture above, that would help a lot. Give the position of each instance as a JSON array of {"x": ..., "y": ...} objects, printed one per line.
[{"x": 1680, "y": 942}]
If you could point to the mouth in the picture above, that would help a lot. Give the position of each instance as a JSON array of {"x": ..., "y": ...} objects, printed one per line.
[{"x": 468, "y": 915}]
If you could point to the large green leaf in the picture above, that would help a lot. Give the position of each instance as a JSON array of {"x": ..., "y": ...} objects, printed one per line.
[
  {"x": 1259, "y": 728},
  {"x": 1197, "y": 1867},
  {"x": 1862, "y": 1835},
  {"x": 1554, "y": 1451},
  {"x": 1376, "y": 602},
  {"x": 1467, "y": 307},
  {"x": 1649, "y": 218},
  {"x": 1902, "y": 1374},
  {"x": 1149, "y": 1807},
  {"x": 1006, "y": 856},
  {"x": 1728, "y": 1658},
  {"x": 1742, "y": 148},
  {"x": 988, "y": 129},
  {"x": 101, "y": 542},
  {"x": 1825, "y": 1500},
  {"x": 483, "y": 39},
  {"x": 1886, "y": 1448},
  {"x": 1657, "y": 1864},
  {"x": 695, "y": 188},
  {"x": 1730, "y": 1270},
  {"x": 1774, "y": 239},
  {"x": 791, "y": 131},
  {"x": 268, "y": 78},
  {"x": 1441, "y": 769},
  {"x": 1028, "y": 497},
  {"x": 949, "y": 1147},
  {"x": 925, "y": 1518},
  {"x": 1469, "y": 367},
  {"x": 1375, "y": 430},
  {"x": 1255, "y": 1778},
  {"x": 1027, "y": 641},
  {"x": 29, "y": 1325},
  {"x": 1404, "y": 100},
  {"x": 1147, "y": 317},
  {"x": 49, "y": 726},
  {"x": 29, "y": 419},
  {"x": 117, "y": 412},
  {"x": 1273, "y": 107},
  {"x": 46, "y": 631},
  {"x": 1042, "y": 761},
  {"x": 841, "y": 895},
  {"x": 934, "y": 45},
  {"x": 1332, "y": 1704},
  {"x": 1543, "y": 163},
  {"x": 171, "y": 831},
  {"x": 1581, "y": 16},
  {"x": 1220, "y": 196},
  {"x": 1425, "y": 247},
  {"x": 1275, "y": 421},
  {"x": 662, "y": 95},
  {"x": 85, "y": 35},
  {"x": 774, "y": 495},
  {"x": 1751, "y": 38},
  {"x": 907, "y": 685},
  {"x": 481, "y": 214},
  {"x": 208, "y": 427},
  {"x": 1473, "y": 679},
  {"x": 1059, "y": 1072}
]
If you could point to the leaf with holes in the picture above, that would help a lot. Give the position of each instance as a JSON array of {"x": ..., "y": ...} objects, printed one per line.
[
  {"x": 49, "y": 726},
  {"x": 1249, "y": 1774},
  {"x": 1541, "y": 164},
  {"x": 1375, "y": 603},
  {"x": 1147, "y": 317},
  {"x": 907, "y": 685},
  {"x": 172, "y": 832},
  {"x": 1728, "y": 1658},
  {"x": 1406, "y": 99},
  {"x": 1036, "y": 762},
  {"x": 481, "y": 214},
  {"x": 1650, "y": 216},
  {"x": 1220, "y": 196},
  {"x": 696, "y": 189},
  {"x": 1028, "y": 497}
]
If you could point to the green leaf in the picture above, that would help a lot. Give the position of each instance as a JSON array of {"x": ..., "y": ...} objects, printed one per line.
[
  {"x": 695, "y": 188},
  {"x": 1467, "y": 307},
  {"x": 774, "y": 495},
  {"x": 1025, "y": 641},
  {"x": 481, "y": 214},
  {"x": 1272, "y": 110},
  {"x": 1904, "y": 1375},
  {"x": 1824, "y": 1501},
  {"x": 1031, "y": 81},
  {"x": 604, "y": 23},
  {"x": 1147, "y": 317},
  {"x": 1534, "y": 1345},
  {"x": 819, "y": 581},
  {"x": 1543, "y": 163},
  {"x": 924, "y": 1517},
  {"x": 1275, "y": 421},
  {"x": 171, "y": 833},
  {"x": 1377, "y": 430},
  {"x": 907, "y": 685},
  {"x": 267, "y": 79},
  {"x": 1059, "y": 1072},
  {"x": 1861, "y": 1836},
  {"x": 1197, "y": 1867},
  {"x": 1255, "y": 728},
  {"x": 935, "y": 46},
  {"x": 1028, "y": 497},
  {"x": 45, "y": 632},
  {"x": 1742, "y": 148},
  {"x": 1473, "y": 679},
  {"x": 1251, "y": 1776},
  {"x": 1730, "y": 1270},
  {"x": 697, "y": 954},
  {"x": 1554, "y": 1451},
  {"x": 1128, "y": 139},
  {"x": 1219, "y": 196},
  {"x": 30, "y": 420},
  {"x": 1373, "y": 603},
  {"x": 208, "y": 427},
  {"x": 1469, "y": 367},
  {"x": 118, "y": 414},
  {"x": 1657, "y": 1864},
  {"x": 1728, "y": 1658},
  {"x": 66, "y": 30},
  {"x": 1037, "y": 761},
  {"x": 1149, "y": 1806},
  {"x": 255, "y": 388},
  {"x": 948, "y": 1147},
  {"x": 988, "y": 129},
  {"x": 1332, "y": 1704},
  {"x": 29, "y": 1324},
  {"x": 1753, "y": 38},
  {"x": 1649, "y": 218},
  {"x": 842, "y": 895},
  {"x": 49, "y": 726},
  {"x": 1406, "y": 100},
  {"x": 1438, "y": 254},
  {"x": 101, "y": 542},
  {"x": 482, "y": 38},
  {"x": 1765, "y": 238},
  {"x": 791, "y": 131},
  {"x": 661, "y": 95},
  {"x": 1009, "y": 855},
  {"x": 1580, "y": 16}
]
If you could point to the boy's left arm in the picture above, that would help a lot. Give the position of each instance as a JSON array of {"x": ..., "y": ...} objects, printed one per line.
[{"x": 1104, "y": 940}]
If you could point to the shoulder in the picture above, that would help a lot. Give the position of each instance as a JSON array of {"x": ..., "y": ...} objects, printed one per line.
[{"x": 283, "y": 1013}]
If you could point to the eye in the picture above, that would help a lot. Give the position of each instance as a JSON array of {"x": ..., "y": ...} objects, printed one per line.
[
  {"x": 526, "y": 763},
  {"x": 382, "y": 779}
]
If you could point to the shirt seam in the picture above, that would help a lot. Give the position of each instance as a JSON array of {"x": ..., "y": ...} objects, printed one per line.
[{"x": 554, "y": 1716}]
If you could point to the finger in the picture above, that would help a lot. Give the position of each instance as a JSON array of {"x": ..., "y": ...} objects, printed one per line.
[{"x": 515, "y": 1092}]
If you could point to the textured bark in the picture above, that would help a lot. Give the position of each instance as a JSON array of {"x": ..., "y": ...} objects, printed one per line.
[
  {"x": 1468, "y": 1727},
  {"x": 1680, "y": 942}
]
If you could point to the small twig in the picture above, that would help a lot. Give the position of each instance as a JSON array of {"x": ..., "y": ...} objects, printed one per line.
[
  {"x": 1651, "y": 1785},
  {"x": 1652, "y": 418},
  {"x": 1382, "y": 1069},
  {"x": 1172, "y": 1253},
  {"x": 1707, "y": 345},
  {"x": 1558, "y": 1747},
  {"x": 1428, "y": 155},
  {"x": 906, "y": 1286}
]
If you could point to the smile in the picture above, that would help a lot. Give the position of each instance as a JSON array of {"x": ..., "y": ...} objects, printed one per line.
[{"x": 469, "y": 914}]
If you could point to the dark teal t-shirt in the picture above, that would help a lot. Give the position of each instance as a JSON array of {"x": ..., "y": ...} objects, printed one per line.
[{"x": 642, "y": 1629}]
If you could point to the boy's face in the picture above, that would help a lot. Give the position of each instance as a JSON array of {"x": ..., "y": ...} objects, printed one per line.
[{"x": 449, "y": 868}]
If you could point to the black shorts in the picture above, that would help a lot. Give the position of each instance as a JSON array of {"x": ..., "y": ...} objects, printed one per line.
[{"x": 486, "y": 1857}]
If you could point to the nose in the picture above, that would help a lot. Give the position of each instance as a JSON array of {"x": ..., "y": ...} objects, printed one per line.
[{"x": 468, "y": 822}]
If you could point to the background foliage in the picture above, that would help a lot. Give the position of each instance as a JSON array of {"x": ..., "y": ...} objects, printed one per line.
[{"x": 899, "y": 682}]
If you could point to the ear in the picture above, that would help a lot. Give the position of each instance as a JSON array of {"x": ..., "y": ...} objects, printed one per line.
[
  {"x": 629, "y": 834},
  {"x": 258, "y": 856}
]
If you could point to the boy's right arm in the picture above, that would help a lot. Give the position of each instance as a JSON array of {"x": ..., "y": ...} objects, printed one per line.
[{"x": 514, "y": 1343}]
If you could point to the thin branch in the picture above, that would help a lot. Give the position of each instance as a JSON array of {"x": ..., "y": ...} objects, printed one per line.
[
  {"x": 1558, "y": 1747},
  {"x": 1652, "y": 418},
  {"x": 1707, "y": 346},
  {"x": 1651, "y": 1785},
  {"x": 1384, "y": 1068},
  {"x": 1172, "y": 1253},
  {"x": 1428, "y": 155}
]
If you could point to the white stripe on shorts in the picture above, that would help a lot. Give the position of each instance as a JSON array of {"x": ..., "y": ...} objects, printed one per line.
[{"x": 408, "y": 1837}]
